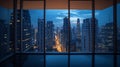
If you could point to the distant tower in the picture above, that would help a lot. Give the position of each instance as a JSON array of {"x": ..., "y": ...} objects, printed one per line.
[
  {"x": 65, "y": 33},
  {"x": 87, "y": 28},
  {"x": 73, "y": 33},
  {"x": 50, "y": 38},
  {"x": 40, "y": 35},
  {"x": 78, "y": 36}
]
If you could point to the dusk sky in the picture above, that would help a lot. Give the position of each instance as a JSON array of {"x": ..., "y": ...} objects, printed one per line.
[{"x": 103, "y": 16}]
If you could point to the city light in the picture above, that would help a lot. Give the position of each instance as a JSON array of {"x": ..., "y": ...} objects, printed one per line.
[{"x": 58, "y": 46}]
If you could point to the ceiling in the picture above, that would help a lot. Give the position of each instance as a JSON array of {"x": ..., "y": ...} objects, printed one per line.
[{"x": 59, "y": 4}]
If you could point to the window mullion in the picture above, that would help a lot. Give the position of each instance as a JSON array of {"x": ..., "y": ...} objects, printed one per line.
[
  {"x": 69, "y": 33},
  {"x": 93, "y": 33},
  {"x": 115, "y": 31},
  {"x": 44, "y": 32},
  {"x": 21, "y": 15},
  {"x": 14, "y": 25}
]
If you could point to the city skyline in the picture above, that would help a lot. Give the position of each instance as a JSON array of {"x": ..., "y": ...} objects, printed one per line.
[
  {"x": 50, "y": 38},
  {"x": 59, "y": 33},
  {"x": 56, "y": 15}
]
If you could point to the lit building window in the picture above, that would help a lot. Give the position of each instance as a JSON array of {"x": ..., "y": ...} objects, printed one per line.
[
  {"x": 18, "y": 20},
  {"x": 10, "y": 23},
  {"x": 25, "y": 29}
]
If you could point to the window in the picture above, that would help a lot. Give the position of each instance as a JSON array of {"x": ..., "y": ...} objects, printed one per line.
[
  {"x": 80, "y": 19},
  {"x": 65, "y": 33}
]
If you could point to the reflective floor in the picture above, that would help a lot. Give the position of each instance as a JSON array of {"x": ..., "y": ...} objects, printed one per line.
[{"x": 59, "y": 61}]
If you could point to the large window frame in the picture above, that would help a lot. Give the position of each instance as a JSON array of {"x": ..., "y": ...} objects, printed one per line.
[{"x": 115, "y": 53}]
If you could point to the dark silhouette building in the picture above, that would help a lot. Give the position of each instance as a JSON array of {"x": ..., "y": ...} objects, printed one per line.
[
  {"x": 4, "y": 39},
  {"x": 23, "y": 31},
  {"x": 105, "y": 43},
  {"x": 65, "y": 33},
  {"x": 40, "y": 35},
  {"x": 49, "y": 36}
]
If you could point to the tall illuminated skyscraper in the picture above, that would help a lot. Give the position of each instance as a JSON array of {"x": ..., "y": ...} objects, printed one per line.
[{"x": 25, "y": 32}]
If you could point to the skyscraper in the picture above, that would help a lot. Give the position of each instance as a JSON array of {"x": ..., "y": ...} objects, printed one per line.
[
  {"x": 25, "y": 32},
  {"x": 87, "y": 28},
  {"x": 73, "y": 33},
  {"x": 4, "y": 38},
  {"x": 105, "y": 43},
  {"x": 50, "y": 36},
  {"x": 78, "y": 36},
  {"x": 65, "y": 33},
  {"x": 73, "y": 40},
  {"x": 40, "y": 35},
  {"x": 33, "y": 35}
]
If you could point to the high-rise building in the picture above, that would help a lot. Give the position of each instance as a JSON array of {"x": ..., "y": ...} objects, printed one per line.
[
  {"x": 73, "y": 33},
  {"x": 40, "y": 35},
  {"x": 23, "y": 35},
  {"x": 4, "y": 38},
  {"x": 33, "y": 35},
  {"x": 65, "y": 33},
  {"x": 49, "y": 36},
  {"x": 78, "y": 36},
  {"x": 62, "y": 39},
  {"x": 105, "y": 43},
  {"x": 73, "y": 39},
  {"x": 87, "y": 31},
  {"x": 58, "y": 31}
]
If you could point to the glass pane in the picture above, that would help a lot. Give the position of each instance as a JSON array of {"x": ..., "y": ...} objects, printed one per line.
[
  {"x": 31, "y": 39},
  {"x": 56, "y": 61},
  {"x": 30, "y": 60},
  {"x": 56, "y": 28},
  {"x": 118, "y": 24},
  {"x": 6, "y": 46},
  {"x": 104, "y": 35},
  {"x": 104, "y": 61},
  {"x": 24, "y": 61},
  {"x": 7, "y": 63},
  {"x": 80, "y": 61},
  {"x": 81, "y": 29}
]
